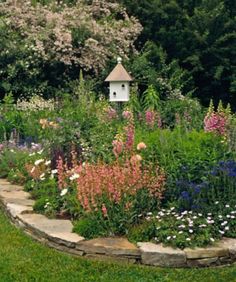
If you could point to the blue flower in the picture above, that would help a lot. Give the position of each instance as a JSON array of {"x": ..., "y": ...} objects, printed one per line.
[{"x": 185, "y": 195}]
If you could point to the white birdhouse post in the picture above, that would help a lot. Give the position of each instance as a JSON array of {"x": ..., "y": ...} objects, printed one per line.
[{"x": 119, "y": 80}]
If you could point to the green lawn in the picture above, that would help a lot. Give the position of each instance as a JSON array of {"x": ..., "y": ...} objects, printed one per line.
[{"x": 22, "y": 259}]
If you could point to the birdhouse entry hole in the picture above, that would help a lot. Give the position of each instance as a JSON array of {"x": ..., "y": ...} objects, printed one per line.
[
  {"x": 123, "y": 86},
  {"x": 114, "y": 93}
]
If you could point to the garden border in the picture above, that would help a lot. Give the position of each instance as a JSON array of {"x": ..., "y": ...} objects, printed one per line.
[{"x": 57, "y": 233}]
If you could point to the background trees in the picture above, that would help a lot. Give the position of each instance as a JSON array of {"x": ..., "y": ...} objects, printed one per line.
[
  {"x": 45, "y": 44},
  {"x": 201, "y": 35},
  {"x": 51, "y": 43}
]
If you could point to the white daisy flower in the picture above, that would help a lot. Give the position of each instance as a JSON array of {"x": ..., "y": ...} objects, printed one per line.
[
  {"x": 38, "y": 162},
  {"x": 64, "y": 192},
  {"x": 224, "y": 223},
  {"x": 74, "y": 176},
  {"x": 48, "y": 162}
]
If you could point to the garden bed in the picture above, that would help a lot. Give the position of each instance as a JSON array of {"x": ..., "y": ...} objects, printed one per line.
[
  {"x": 57, "y": 233},
  {"x": 163, "y": 175}
]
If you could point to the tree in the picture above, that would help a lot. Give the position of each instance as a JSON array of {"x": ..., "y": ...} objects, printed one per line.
[
  {"x": 62, "y": 39},
  {"x": 200, "y": 34}
]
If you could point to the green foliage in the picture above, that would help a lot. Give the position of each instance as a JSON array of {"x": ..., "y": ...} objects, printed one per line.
[
  {"x": 199, "y": 34},
  {"x": 143, "y": 232},
  {"x": 151, "y": 99},
  {"x": 89, "y": 228}
]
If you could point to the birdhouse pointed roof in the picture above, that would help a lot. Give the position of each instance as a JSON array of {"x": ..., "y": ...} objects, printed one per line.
[{"x": 119, "y": 73}]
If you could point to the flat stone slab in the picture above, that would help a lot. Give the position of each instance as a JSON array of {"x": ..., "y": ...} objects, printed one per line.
[
  {"x": 230, "y": 244},
  {"x": 66, "y": 238},
  {"x": 22, "y": 202},
  {"x": 109, "y": 246},
  {"x": 7, "y": 186},
  {"x": 14, "y": 194},
  {"x": 4, "y": 182},
  {"x": 42, "y": 223},
  {"x": 202, "y": 262},
  {"x": 158, "y": 255},
  {"x": 209, "y": 252},
  {"x": 58, "y": 230},
  {"x": 15, "y": 209},
  {"x": 10, "y": 188}
]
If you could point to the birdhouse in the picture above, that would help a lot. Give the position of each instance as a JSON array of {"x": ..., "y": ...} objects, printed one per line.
[{"x": 119, "y": 80}]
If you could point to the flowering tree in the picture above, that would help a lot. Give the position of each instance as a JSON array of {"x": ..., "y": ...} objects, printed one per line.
[{"x": 87, "y": 35}]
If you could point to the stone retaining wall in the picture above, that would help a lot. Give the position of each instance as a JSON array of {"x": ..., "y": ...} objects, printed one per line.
[{"x": 57, "y": 233}]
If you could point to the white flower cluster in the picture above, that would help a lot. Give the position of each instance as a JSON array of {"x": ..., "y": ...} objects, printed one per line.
[
  {"x": 189, "y": 224},
  {"x": 35, "y": 103}
]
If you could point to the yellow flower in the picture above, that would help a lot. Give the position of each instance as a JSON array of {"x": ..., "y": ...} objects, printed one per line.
[{"x": 43, "y": 122}]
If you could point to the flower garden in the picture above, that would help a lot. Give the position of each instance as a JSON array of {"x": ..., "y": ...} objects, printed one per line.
[{"x": 149, "y": 170}]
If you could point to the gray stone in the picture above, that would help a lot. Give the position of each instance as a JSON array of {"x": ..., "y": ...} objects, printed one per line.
[
  {"x": 14, "y": 194},
  {"x": 57, "y": 230},
  {"x": 158, "y": 255},
  {"x": 209, "y": 252},
  {"x": 110, "y": 246},
  {"x": 65, "y": 238},
  {"x": 8, "y": 187},
  {"x": 3, "y": 181},
  {"x": 111, "y": 258},
  {"x": 15, "y": 209},
  {"x": 202, "y": 262},
  {"x": 20, "y": 202},
  {"x": 230, "y": 244},
  {"x": 42, "y": 223},
  {"x": 225, "y": 260},
  {"x": 62, "y": 248}
]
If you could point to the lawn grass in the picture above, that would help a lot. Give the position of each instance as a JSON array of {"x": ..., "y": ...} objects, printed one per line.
[{"x": 22, "y": 259}]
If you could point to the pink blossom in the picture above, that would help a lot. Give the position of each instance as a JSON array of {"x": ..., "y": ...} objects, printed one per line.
[
  {"x": 136, "y": 158},
  {"x": 129, "y": 137},
  {"x": 150, "y": 118},
  {"x": 141, "y": 146},
  {"x": 117, "y": 182},
  {"x": 127, "y": 115},
  {"x": 215, "y": 122},
  {"x": 104, "y": 210},
  {"x": 117, "y": 147},
  {"x": 111, "y": 113}
]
